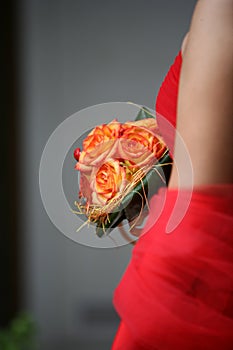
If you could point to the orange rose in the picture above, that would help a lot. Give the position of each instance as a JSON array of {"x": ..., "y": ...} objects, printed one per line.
[
  {"x": 139, "y": 142},
  {"x": 109, "y": 180},
  {"x": 101, "y": 134},
  {"x": 98, "y": 144}
]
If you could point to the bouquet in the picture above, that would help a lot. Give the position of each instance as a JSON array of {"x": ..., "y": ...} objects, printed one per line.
[{"x": 120, "y": 169}]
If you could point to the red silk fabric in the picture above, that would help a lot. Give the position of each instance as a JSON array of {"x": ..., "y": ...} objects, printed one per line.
[
  {"x": 166, "y": 102},
  {"x": 177, "y": 292}
]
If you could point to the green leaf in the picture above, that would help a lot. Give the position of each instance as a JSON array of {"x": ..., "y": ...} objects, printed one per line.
[
  {"x": 156, "y": 178},
  {"x": 19, "y": 335},
  {"x": 144, "y": 113}
]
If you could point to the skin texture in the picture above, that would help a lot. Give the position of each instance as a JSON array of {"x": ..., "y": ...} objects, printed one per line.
[{"x": 205, "y": 106}]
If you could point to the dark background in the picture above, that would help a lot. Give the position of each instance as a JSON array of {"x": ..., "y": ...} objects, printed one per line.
[{"x": 59, "y": 57}]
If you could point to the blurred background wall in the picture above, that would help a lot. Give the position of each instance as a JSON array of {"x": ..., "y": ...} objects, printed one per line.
[{"x": 66, "y": 55}]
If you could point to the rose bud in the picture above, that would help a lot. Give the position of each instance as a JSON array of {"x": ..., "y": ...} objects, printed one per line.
[{"x": 77, "y": 152}]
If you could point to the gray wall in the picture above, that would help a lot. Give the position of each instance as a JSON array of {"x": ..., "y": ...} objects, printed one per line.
[{"x": 75, "y": 54}]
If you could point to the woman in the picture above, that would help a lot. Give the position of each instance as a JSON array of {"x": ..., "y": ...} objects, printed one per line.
[{"x": 177, "y": 292}]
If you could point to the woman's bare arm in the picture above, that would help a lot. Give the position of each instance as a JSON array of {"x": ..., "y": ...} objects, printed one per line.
[{"x": 205, "y": 106}]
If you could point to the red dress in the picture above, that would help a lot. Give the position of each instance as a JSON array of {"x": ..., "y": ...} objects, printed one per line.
[{"x": 177, "y": 292}]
